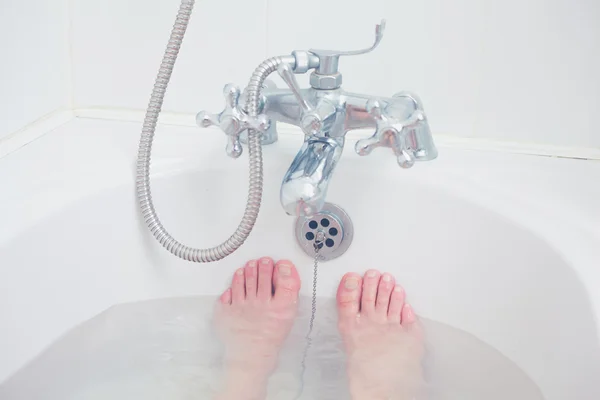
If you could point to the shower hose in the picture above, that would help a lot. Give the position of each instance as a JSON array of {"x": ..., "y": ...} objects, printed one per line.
[{"x": 144, "y": 194}]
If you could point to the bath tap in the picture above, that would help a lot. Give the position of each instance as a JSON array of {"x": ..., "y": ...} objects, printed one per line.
[{"x": 325, "y": 113}]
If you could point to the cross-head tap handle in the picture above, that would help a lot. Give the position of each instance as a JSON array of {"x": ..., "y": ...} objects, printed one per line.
[
  {"x": 392, "y": 133},
  {"x": 232, "y": 120}
]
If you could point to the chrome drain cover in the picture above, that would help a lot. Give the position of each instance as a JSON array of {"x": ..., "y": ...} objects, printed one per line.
[{"x": 333, "y": 224}]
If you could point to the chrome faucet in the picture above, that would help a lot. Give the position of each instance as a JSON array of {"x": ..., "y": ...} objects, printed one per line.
[{"x": 325, "y": 113}]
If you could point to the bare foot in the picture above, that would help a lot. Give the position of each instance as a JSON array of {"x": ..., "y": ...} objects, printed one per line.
[
  {"x": 254, "y": 317},
  {"x": 383, "y": 339}
]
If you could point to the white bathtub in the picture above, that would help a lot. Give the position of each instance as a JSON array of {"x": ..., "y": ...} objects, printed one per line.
[{"x": 503, "y": 246}]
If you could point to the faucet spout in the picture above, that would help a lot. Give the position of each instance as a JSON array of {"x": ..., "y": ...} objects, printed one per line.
[{"x": 305, "y": 184}]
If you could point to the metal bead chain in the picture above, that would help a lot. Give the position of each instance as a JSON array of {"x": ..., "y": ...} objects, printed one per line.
[{"x": 318, "y": 245}]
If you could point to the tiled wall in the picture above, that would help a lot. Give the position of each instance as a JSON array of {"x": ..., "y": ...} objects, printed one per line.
[
  {"x": 34, "y": 78},
  {"x": 512, "y": 70}
]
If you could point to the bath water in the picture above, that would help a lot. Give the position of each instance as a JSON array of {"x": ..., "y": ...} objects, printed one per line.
[{"x": 166, "y": 349}]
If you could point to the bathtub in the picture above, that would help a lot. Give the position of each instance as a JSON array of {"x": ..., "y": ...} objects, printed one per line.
[{"x": 502, "y": 247}]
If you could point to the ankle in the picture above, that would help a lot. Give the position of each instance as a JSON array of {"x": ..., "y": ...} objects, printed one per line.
[
  {"x": 362, "y": 394},
  {"x": 368, "y": 389},
  {"x": 253, "y": 364},
  {"x": 367, "y": 396},
  {"x": 244, "y": 384}
]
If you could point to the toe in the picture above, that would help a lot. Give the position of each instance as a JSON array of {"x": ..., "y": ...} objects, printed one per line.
[
  {"x": 369, "y": 291},
  {"x": 416, "y": 334},
  {"x": 396, "y": 304},
  {"x": 286, "y": 282},
  {"x": 238, "y": 287},
  {"x": 225, "y": 298},
  {"x": 411, "y": 322},
  {"x": 408, "y": 316},
  {"x": 384, "y": 291},
  {"x": 251, "y": 274},
  {"x": 265, "y": 279},
  {"x": 348, "y": 295}
]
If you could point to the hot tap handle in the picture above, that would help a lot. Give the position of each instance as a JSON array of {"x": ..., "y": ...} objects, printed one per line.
[
  {"x": 391, "y": 133},
  {"x": 232, "y": 120}
]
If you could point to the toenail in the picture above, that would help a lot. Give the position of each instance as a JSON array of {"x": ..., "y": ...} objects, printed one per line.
[
  {"x": 398, "y": 289},
  {"x": 387, "y": 278},
  {"x": 351, "y": 283},
  {"x": 252, "y": 264},
  {"x": 285, "y": 270},
  {"x": 239, "y": 272},
  {"x": 371, "y": 274},
  {"x": 265, "y": 261}
]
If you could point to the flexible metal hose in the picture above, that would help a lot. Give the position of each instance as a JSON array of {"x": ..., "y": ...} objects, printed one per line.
[{"x": 144, "y": 194}]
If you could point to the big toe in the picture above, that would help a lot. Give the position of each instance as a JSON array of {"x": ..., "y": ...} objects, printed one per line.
[
  {"x": 348, "y": 295},
  {"x": 286, "y": 282}
]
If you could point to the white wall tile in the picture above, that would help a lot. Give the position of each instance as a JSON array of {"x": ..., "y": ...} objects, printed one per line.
[
  {"x": 118, "y": 47},
  {"x": 34, "y": 61},
  {"x": 539, "y": 72},
  {"x": 512, "y": 70}
]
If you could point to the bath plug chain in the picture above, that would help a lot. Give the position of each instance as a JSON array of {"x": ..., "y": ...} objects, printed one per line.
[{"x": 318, "y": 245}]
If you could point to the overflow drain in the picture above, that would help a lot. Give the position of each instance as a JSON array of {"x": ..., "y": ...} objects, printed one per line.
[{"x": 332, "y": 224}]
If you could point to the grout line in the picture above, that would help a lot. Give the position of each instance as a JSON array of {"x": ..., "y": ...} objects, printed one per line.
[
  {"x": 532, "y": 149},
  {"x": 444, "y": 141},
  {"x": 70, "y": 65},
  {"x": 59, "y": 117},
  {"x": 34, "y": 130},
  {"x": 133, "y": 115},
  {"x": 266, "y": 29}
]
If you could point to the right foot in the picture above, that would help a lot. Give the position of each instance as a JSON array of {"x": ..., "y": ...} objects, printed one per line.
[
  {"x": 254, "y": 317},
  {"x": 383, "y": 339}
]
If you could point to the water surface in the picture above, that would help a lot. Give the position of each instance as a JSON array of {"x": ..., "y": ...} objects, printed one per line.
[{"x": 166, "y": 349}]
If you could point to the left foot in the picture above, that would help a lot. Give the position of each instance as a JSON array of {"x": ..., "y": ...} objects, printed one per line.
[{"x": 254, "y": 317}]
